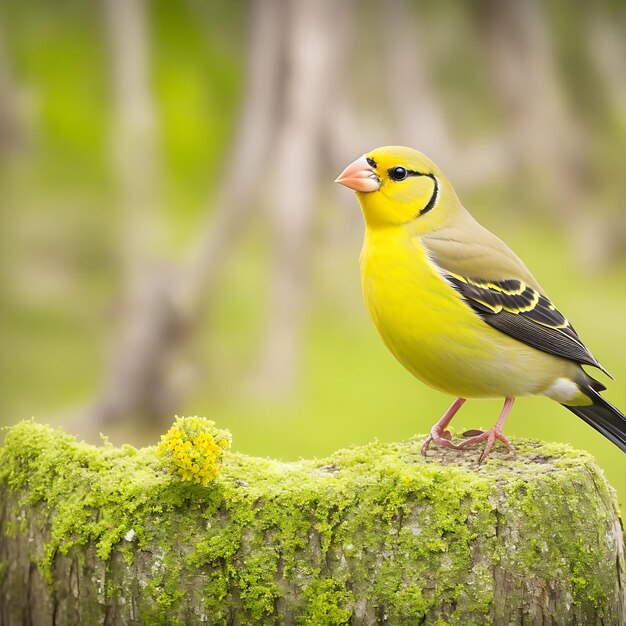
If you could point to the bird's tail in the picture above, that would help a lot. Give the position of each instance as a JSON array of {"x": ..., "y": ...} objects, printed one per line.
[{"x": 603, "y": 416}]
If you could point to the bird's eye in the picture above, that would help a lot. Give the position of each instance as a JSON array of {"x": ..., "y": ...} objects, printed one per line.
[{"x": 398, "y": 173}]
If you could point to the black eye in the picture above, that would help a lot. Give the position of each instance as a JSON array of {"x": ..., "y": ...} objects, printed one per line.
[{"x": 398, "y": 173}]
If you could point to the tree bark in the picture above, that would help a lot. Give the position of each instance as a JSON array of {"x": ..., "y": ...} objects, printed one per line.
[{"x": 371, "y": 535}]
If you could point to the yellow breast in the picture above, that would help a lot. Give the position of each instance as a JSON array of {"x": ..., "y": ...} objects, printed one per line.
[{"x": 434, "y": 334}]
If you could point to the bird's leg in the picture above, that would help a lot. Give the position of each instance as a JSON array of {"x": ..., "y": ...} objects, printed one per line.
[
  {"x": 492, "y": 434},
  {"x": 438, "y": 432}
]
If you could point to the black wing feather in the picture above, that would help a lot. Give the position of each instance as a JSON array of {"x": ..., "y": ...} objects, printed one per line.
[{"x": 524, "y": 314}]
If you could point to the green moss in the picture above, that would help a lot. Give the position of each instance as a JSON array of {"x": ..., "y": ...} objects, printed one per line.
[
  {"x": 327, "y": 602},
  {"x": 315, "y": 529}
]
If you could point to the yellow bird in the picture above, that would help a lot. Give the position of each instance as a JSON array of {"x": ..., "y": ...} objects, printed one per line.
[{"x": 457, "y": 307}]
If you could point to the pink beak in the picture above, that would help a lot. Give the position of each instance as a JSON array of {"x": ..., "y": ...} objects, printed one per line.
[{"x": 359, "y": 176}]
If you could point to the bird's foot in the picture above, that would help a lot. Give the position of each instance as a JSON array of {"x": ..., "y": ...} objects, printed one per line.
[
  {"x": 441, "y": 438},
  {"x": 490, "y": 436},
  {"x": 439, "y": 433}
]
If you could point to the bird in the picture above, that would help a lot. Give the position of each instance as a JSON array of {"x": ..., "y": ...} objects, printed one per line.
[{"x": 458, "y": 308}]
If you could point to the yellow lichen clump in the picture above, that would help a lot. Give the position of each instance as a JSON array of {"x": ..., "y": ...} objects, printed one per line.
[{"x": 193, "y": 448}]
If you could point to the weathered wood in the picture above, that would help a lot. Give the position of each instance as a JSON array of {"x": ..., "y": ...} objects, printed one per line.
[{"x": 370, "y": 535}]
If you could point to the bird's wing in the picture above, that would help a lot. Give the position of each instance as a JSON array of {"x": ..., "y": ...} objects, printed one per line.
[{"x": 523, "y": 313}]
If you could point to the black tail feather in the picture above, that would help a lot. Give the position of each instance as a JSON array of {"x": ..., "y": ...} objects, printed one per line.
[{"x": 604, "y": 417}]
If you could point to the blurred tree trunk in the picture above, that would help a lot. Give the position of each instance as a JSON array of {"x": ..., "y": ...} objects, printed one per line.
[
  {"x": 10, "y": 123},
  {"x": 546, "y": 139},
  {"x": 525, "y": 79},
  {"x": 607, "y": 45},
  {"x": 146, "y": 308},
  {"x": 416, "y": 106},
  {"x": 314, "y": 67},
  {"x": 134, "y": 145},
  {"x": 246, "y": 171},
  {"x": 163, "y": 301},
  {"x": 132, "y": 384},
  {"x": 417, "y": 111}
]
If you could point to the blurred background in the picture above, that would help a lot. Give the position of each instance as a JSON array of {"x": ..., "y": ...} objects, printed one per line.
[{"x": 172, "y": 240}]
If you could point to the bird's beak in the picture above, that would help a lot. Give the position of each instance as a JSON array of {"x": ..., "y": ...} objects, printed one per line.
[{"x": 359, "y": 176}]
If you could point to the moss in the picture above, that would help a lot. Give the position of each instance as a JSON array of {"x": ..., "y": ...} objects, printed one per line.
[
  {"x": 566, "y": 552},
  {"x": 311, "y": 530},
  {"x": 327, "y": 602}
]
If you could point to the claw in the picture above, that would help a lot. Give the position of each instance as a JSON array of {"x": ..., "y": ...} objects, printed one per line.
[
  {"x": 439, "y": 433},
  {"x": 441, "y": 439},
  {"x": 490, "y": 435}
]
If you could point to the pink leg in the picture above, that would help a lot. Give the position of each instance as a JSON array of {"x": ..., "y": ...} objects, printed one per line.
[
  {"x": 492, "y": 434},
  {"x": 438, "y": 432}
]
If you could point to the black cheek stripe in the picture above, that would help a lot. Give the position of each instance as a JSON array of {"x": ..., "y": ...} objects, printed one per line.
[
  {"x": 435, "y": 195},
  {"x": 433, "y": 199}
]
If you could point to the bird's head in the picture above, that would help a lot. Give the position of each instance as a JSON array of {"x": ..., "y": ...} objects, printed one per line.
[{"x": 397, "y": 185}]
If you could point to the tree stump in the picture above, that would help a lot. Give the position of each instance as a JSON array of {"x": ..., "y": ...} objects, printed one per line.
[{"x": 376, "y": 534}]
